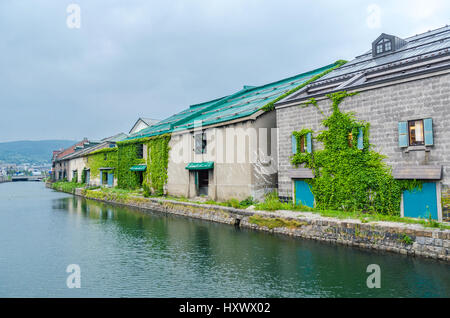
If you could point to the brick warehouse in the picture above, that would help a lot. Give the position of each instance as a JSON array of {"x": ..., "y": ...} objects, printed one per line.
[{"x": 403, "y": 90}]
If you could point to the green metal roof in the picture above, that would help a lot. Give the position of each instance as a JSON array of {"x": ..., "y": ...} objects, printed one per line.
[
  {"x": 200, "y": 165},
  {"x": 138, "y": 168},
  {"x": 243, "y": 103}
]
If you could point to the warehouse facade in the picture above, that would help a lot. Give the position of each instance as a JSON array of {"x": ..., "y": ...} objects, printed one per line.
[{"x": 403, "y": 88}]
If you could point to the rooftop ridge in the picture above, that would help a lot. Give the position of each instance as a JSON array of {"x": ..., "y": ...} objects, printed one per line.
[{"x": 356, "y": 63}]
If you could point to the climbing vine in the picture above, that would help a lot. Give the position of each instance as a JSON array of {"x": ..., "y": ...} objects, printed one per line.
[
  {"x": 157, "y": 164},
  {"x": 103, "y": 158},
  {"x": 271, "y": 105},
  {"x": 155, "y": 176},
  {"x": 127, "y": 158},
  {"x": 346, "y": 177},
  {"x": 302, "y": 157},
  {"x": 312, "y": 101}
]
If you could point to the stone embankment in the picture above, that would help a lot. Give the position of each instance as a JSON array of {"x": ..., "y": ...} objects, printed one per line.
[{"x": 403, "y": 238}]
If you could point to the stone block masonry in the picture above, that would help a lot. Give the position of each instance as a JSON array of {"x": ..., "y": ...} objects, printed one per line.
[
  {"x": 383, "y": 108},
  {"x": 409, "y": 239}
]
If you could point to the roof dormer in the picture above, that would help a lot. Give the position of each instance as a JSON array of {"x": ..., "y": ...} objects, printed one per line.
[{"x": 386, "y": 43}]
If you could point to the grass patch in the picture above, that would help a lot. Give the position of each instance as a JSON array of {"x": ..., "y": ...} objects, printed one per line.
[
  {"x": 65, "y": 186},
  {"x": 273, "y": 203},
  {"x": 272, "y": 223}
]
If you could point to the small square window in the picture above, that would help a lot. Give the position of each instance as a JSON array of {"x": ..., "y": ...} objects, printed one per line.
[
  {"x": 416, "y": 133},
  {"x": 379, "y": 48},
  {"x": 302, "y": 144},
  {"x": 387, "y": 46}
]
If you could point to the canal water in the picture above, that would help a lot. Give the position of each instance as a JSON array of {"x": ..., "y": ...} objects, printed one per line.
[{"x": 125, "y": 252}]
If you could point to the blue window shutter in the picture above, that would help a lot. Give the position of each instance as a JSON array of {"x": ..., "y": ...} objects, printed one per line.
[
  {"x": 403, "y": 134},
  {"x": 308, "y": 143},
  {"x": 361, "y": 138},
  {"x": 294, "y": 145},
  {"x": 428, "y": 128}
]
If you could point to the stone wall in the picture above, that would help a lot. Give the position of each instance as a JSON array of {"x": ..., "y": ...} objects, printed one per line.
[
  {"x": 410, "y": 239},
  {"x": 383, "y": 108}
]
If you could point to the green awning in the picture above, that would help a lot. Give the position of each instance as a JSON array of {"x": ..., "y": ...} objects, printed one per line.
[
  {"x": 200, "y": 165},
  {"x": 138, "y": 168}
]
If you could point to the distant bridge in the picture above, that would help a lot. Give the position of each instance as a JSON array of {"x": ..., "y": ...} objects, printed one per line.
[{"x": 27, "y": 178}]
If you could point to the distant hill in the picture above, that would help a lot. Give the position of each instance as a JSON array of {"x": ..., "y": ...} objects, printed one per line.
[{"x": 35, "y": 152}]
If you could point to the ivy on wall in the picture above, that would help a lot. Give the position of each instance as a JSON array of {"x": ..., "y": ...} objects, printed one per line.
[
  {"x": 348, "y": 178},
  {"x": 155, "y": 177},
  {"x": 128, "y": 157},
  {"x": 103, "y": 158},
  {"x": 157, "y": 164},
  {"x": 301, "y": 157}
]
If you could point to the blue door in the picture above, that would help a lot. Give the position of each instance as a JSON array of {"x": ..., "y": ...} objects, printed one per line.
[
  {"x": 421, "y": 203},
  {"x": 88, "y": 176},
  {"x": 110, "y": 179},
  {"x": 303, "y": 194}
]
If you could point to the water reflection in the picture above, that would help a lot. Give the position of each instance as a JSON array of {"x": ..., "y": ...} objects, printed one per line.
[{"x": 199, "y": 258}]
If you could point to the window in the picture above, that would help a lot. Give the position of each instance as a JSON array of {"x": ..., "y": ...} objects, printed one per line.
[
  {"x": 379, "y": 48},
  {"x": 200, "y": 143},
  {"x": 384, "y": 45},
  {"x": 416, "y": 133},
  {"x": 350, "y": 139},
  {"x": 105, "y": 156},
  {"x": 140, "y": 150},
  {"x": 302, "y": 144},
  {"x": 305, "y": 143}
]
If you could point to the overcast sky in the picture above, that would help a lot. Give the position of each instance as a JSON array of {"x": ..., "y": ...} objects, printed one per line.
[{"x": 153, "y": 58}]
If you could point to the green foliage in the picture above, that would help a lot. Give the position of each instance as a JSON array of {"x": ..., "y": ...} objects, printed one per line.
[
  {"x": 128, "y": 157},
  {"x": 272, "y": 223},
  {"x": 406, "y": 239},
  {"x": 432, "y": 222},
  {"x": 273, "y": 203},
  {"x": 96, "y": 160},
  {"x": 312, "y": 101},
  {"x": 68, "y": 187},
  {"x": 155, "y": 177},
  {"x": 248, "y": 202},
  {"x": 83, "y": 176},
  {"x": 104, "y": 150},
  {"x": 347, "y": 178},
  {"x": 157, "y": 164},
  {"x": 301, "y": 157},
  {"x": 114, "y": 195},
  {"x": 234, "y": 203},
  {"x": 271, "y": 106}
]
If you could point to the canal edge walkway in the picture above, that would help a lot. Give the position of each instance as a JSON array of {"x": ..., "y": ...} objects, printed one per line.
[{"x": 402, "y": 238}]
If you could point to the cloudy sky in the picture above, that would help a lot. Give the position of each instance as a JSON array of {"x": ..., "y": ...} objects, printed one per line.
[{"x": 153, "y": 58}]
